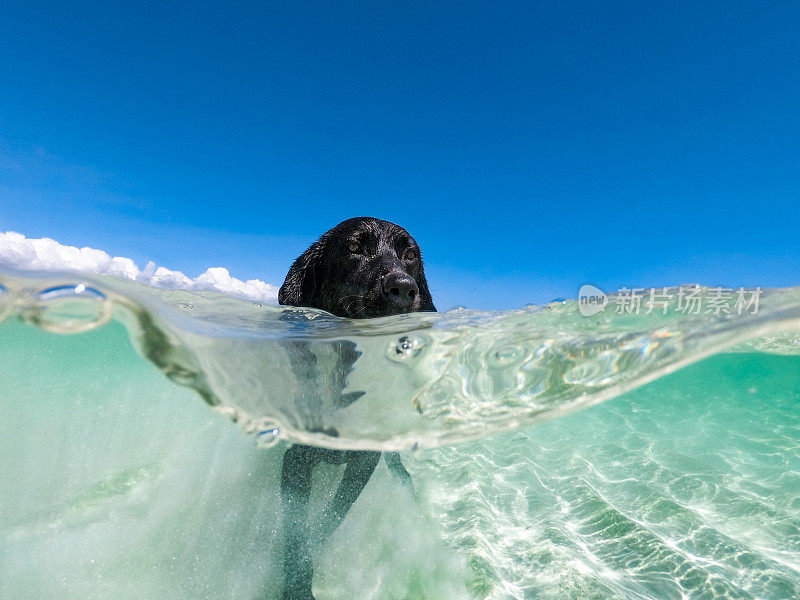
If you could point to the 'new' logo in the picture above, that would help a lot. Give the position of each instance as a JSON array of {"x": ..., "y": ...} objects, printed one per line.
[{"x": 591, "y": 300}]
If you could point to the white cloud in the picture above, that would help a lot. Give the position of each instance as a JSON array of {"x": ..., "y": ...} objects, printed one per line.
[{"x": 44, "y": 254}]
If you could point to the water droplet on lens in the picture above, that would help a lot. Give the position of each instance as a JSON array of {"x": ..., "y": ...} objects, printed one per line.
[
  {"x": 69, "y": 309},
  {"x": 406, "y": 348},
  {"x": 266, "y": 431}
]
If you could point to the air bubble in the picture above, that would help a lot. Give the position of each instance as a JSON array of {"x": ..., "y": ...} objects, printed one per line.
[
  {"x": 69, "y": 309},
  {"x": 267, "y": 432},
  {"x": 406, "y": 348}
]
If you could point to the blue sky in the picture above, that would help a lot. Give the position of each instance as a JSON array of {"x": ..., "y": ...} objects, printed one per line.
[{"x": 529, "y": 147}]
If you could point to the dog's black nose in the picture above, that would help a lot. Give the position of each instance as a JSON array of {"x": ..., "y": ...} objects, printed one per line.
[{"x": 400, "y": 289}]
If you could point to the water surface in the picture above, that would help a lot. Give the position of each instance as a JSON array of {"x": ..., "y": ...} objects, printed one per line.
[{"x": 554, "y": 455}]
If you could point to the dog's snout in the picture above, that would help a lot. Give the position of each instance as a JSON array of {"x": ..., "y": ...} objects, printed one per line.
[{"x": 400, "y": 289}]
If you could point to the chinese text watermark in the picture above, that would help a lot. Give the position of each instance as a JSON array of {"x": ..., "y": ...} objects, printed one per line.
[{"x": 689, "y": 300}]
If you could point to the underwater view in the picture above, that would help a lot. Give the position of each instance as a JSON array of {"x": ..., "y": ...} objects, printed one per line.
[{"x": 621, "y": 455}]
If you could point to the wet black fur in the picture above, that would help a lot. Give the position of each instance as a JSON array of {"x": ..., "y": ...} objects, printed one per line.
[{"x": 330, "y": 277}]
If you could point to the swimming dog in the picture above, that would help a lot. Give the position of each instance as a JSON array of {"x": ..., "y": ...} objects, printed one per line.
[{"x": 362, "y": 268}]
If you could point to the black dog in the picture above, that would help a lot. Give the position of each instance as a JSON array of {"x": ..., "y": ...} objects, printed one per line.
[{"x": 364, "y": 267}]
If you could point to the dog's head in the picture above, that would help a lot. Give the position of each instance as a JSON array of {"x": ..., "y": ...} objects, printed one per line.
[{"x": 363, "y": 267}]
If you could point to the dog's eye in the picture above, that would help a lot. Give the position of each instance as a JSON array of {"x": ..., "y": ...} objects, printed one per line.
[
  {"x": 353, "y": 248},
  {"x": 410, "y": 255}
]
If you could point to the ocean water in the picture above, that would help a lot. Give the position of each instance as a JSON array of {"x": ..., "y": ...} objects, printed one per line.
[{"x": 630, "y": 456}]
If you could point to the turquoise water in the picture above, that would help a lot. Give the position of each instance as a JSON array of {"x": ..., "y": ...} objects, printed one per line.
[{"x": 553, "y": 455}]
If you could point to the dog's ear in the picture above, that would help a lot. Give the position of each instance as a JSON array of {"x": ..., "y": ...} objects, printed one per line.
[
  {"x": 300, "y": 284},
  {"x": 426, "y": 301}
]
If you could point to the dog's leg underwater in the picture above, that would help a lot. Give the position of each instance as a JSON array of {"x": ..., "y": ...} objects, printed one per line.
[
  {"x": 360, "y": 465},
  {"x": 298, "y": 466},
  {"x": 395, "y": 464},
  {"x": 298, "y": 571}
]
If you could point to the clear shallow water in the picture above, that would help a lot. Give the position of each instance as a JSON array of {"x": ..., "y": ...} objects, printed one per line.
[{"x": 118, "y": 484}]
